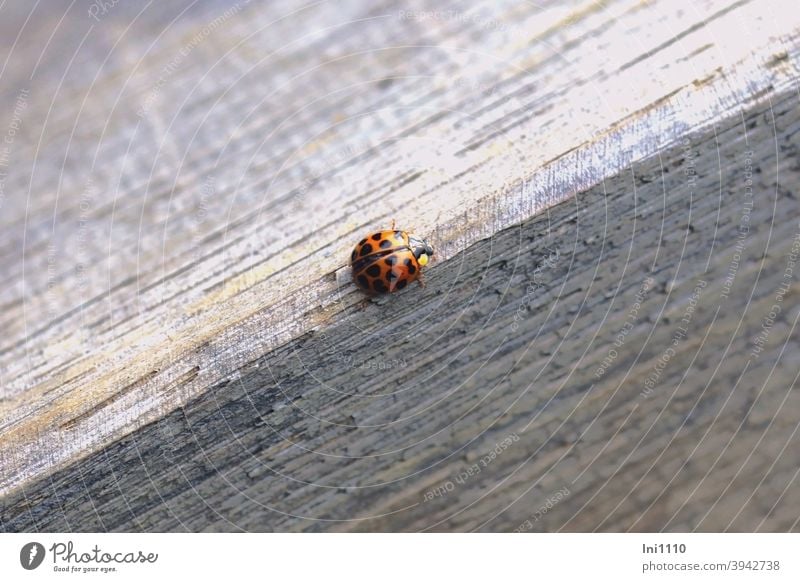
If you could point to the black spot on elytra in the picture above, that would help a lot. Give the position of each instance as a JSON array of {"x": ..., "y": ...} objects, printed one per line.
[
  {"x": 385, "y": 244},
  {"x": 363, "y": 281},
  {"x": 366, "y": 249},
  {"x": 379, "y": 286},
  {"x": 411, "y": 268},
  {"x": 391, "y": 276},
  {"x": 363, "y": 240},
  {"x": 390, "y": 260},
  {"x": 376, "y": 236},
  {"x": 401, "y": 284},
  {"x": 373, "y": 270}
]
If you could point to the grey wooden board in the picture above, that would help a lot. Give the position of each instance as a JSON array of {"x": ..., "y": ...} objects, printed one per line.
[
  {"x": 387, "y": 418},
  {"x": 187, "y": 180}
]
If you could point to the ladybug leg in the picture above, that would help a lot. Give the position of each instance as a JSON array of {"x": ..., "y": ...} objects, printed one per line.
[
  {"x": 421, "y": 280},
  {"x": 393, "y": 225}
]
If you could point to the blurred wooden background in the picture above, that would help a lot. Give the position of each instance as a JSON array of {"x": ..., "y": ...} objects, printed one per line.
[{"x": 607, "y": 339}]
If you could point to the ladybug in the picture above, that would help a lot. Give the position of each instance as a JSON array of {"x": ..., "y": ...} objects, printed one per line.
[{"x": 388, "y": 260}]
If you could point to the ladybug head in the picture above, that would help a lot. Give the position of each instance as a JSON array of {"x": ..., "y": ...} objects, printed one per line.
[{"x": 421, "y": 249}]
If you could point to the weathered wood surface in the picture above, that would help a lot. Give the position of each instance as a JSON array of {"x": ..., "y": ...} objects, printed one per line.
[{"x": 179, "y": 353}]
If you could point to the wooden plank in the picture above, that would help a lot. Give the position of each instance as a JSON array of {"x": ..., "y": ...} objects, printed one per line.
[
  {"x": 195, "y": 313},
  {"x": 505, "y": 363}
]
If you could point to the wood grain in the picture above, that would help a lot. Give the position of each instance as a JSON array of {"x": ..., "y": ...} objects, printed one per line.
[{"x": 183, "y": 351}]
